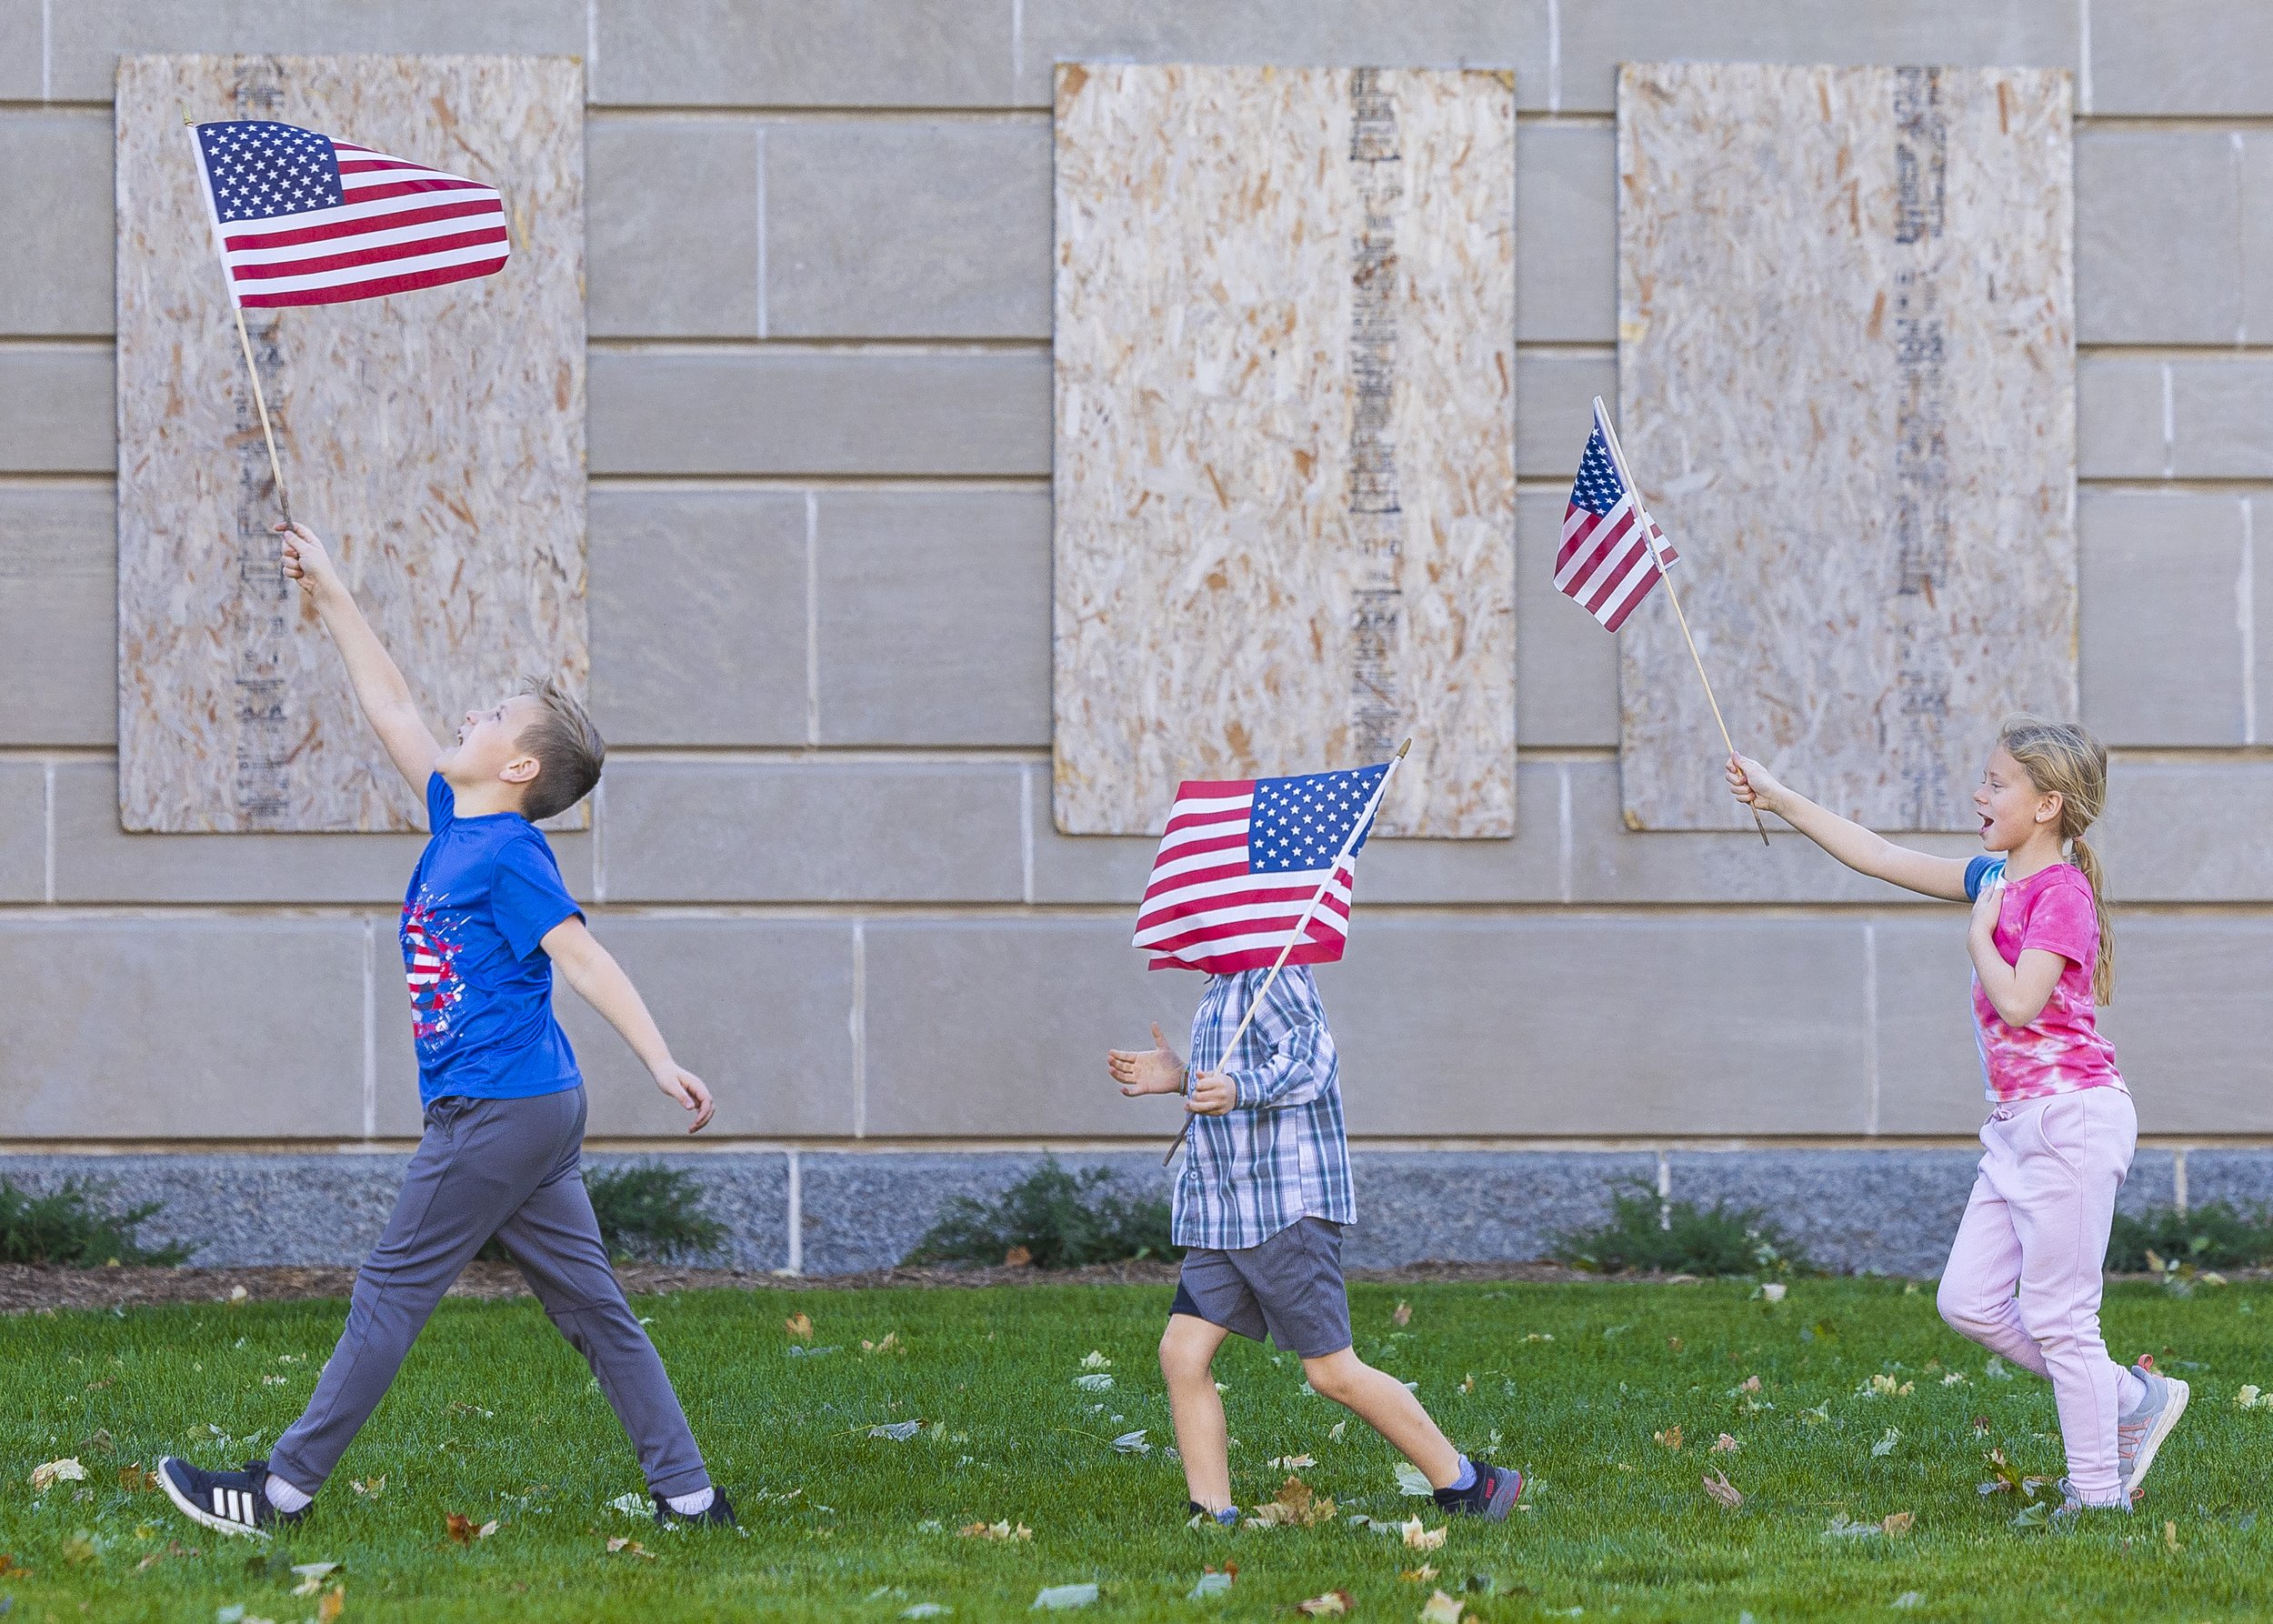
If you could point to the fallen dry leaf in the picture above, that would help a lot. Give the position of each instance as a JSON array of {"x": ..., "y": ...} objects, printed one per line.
[
  {"x": 1898, "y": 1523},
  {"x": 1670, "y": 1437},
  {"x": 799, "y": 1326},
  {"x": 1717, "y": 1484},
  {"x": 1417, "y": 1538},
  {"x": 1750, "y": 1384},
  {"x": 1418, "y": 1576},
  {"x": 334, "y": 1603},
  {"x": 462, "y": 1528},
  {"x": 2170, "y": 1535},
  {"x": 1017, "y": 1257},
  {"x": 631, "y": 1548},
  {"x": 1440, "y": 1609},
  {"x": 369, "y": 1487},
  {"x": 135, "y": 1480},
  {"x": 1290, "y": 1463},
  {"x": 312, "y": 1576},
  {"x": 1725, "y": 1444},
  {"x": 1673, "y": 1343},
  {"x": 891, "y": 1344},
  {"x": 1332, "y": 1605},
  {"x": 995, "y": 1531},
  {"x": 48, "y": 1474},
  {"x": 1294, "y": 1506},
  {"x": 10, "y": 1568},
  {"x": 1402, "y": 1314}
]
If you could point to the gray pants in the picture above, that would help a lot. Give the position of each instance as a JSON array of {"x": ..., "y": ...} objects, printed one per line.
[{"x": 506, "y": 1167}]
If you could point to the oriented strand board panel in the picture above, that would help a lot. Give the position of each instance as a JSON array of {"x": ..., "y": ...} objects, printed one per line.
[
  {"x": 435, "y": 439},
  {"x": 1284, "y": 472},
  {"x": 1847, "y": 379}
]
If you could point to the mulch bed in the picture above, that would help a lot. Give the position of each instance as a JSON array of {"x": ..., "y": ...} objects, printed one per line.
[{"x": 29, "y": 1288}]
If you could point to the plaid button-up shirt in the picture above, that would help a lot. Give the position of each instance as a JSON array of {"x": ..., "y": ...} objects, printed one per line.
[{"x": 1278, "y": 1155}]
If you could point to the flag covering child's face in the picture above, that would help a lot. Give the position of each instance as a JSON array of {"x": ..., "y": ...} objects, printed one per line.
[
  {"x": 2012, "y": 808},
  {"x": 489, "y": 749}
]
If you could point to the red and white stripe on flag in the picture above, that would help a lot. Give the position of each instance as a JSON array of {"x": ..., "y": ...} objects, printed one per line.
[
  {"x": 301, "y": 219},
  {"x": 1606, "y": 562},
  {"x": 1240, "y": 860}
]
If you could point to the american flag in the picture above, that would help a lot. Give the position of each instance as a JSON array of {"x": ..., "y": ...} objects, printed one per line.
[
  {"x": 1605, "y": 564},
  {"x": 303, "y": 219},
  {"x": 1240, "y": 861}
]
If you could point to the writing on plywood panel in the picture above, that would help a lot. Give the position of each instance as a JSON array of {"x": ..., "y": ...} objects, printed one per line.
[
  {"x": 1846, "y": 386},
  {"x": 1285, "y": 473},
  {"x": 435, "y": 439}
]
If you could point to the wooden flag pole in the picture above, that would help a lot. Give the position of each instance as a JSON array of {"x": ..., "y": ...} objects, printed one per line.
[
  {"x": 1301, "y": 926},
  {"x": 244, "y": 338},
  {"x": 1650, "y": 540},
  {"x": 276, "y": 473}
]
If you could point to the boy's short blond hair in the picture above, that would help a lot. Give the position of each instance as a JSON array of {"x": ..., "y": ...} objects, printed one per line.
[{"x": 568, "y": 749}]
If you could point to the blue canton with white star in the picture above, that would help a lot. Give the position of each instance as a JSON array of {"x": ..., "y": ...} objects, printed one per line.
[
  {"x": 261, "y": 170},
  {"x": 1301, "y": 823},
  {"x": 1598, "y": 487}
]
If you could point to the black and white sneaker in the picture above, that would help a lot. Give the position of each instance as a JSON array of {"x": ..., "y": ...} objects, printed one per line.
[
  {"x": 719, "y": 1510},
  {"x": 226, "y": 1502},
  {"x": 1493, "y": 1495}
]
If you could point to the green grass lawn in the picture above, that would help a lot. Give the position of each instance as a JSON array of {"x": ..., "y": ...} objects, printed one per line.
[{"x": 495, "y": 1419}]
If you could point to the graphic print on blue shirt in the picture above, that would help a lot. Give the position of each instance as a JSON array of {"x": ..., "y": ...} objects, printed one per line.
[{"x": 486, "y": 891}]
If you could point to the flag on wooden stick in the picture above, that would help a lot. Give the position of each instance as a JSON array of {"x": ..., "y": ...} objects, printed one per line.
[
  {"x": 1613, "y": 553},
  {"x": 1247, "y": 863},
  {"x": 303, "y": 218}
]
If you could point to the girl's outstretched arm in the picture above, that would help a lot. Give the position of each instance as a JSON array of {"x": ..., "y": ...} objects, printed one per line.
[{"x": 1852, "y": 844}]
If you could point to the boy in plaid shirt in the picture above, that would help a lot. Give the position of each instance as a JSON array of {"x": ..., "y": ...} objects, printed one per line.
[{"x": 1263, "y": 1198}]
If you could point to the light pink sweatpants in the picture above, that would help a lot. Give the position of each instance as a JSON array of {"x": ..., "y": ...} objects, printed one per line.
[{"x": 2039, "y": 1218}]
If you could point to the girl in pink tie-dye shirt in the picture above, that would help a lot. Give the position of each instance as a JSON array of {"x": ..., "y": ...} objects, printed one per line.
[{"x": 2060, "y": 1130}]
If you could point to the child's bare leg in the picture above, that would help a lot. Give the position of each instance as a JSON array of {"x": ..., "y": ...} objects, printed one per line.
[
  {"x": 1385, "y": 1404},
  {"x": 1187, "y": 1359}
]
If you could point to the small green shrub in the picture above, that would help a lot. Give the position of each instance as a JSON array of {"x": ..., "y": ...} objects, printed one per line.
[
  {"x": 1061, "y": 1219},
  {"x": 1681, "y": 1238},
  {"x": 646, "y": 1212},
  {"x": 2211, "y": 1235},
  {"x": 66, "y": 1227}
]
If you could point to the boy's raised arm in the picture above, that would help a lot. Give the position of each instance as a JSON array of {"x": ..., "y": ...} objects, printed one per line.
[{"x": 377, "y": 680}]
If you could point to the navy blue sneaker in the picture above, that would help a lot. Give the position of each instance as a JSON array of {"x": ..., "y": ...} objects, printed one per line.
[
  {"x": 1491, "y": 1497},
  {"x": 719, "y": 1510},
  {"x": 227, "y": 1502}
]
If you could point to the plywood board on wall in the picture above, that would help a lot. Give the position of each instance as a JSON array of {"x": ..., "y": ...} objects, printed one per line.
[
  {"x": 435, "y": 439},
  {"x": 1846, "y": 380},
  {"x": 1285, "y": 475}
]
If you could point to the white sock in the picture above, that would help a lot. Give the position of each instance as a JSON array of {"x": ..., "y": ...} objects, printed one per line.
[
  {"x": 2130, "y": 1392},
  {"x": 691, "y": 1505},
  {"x": 282, "y": 1496}
]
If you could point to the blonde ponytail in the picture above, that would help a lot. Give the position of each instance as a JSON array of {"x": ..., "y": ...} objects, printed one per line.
[{"x": 2063, "y": 759}]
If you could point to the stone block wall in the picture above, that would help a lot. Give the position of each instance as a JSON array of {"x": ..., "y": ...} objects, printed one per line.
[{"x": 819, "y": 589}]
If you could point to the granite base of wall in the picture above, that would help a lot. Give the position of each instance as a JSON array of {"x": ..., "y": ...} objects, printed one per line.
[{"x": 1886, "y": 1211}]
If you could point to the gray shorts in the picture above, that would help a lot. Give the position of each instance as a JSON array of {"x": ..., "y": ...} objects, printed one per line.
[{"x": 1290, "y": 1286}]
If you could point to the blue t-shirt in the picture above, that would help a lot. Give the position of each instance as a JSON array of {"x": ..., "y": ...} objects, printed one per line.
[
  {"x": 1980, "y": 872},
  {"x": 486, "y": 891}
]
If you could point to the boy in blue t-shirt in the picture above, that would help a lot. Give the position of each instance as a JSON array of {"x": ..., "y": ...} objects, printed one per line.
[{"x": 486, "y": 919}]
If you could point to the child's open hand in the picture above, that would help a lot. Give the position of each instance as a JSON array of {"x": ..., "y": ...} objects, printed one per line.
[
  {"x": 1156, "y": 1070},
  {"x": 1753, "y": 784},
  {"x": 1987, "y": 906},
  {"x": 306, "y": 560},
  {"x": 1212, "y": 1094},
  {"x": 684, "y": 1087}
]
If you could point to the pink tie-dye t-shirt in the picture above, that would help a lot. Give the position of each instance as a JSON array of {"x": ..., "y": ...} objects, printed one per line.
[{"x": 2061, "y": 1050}]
